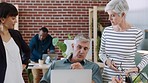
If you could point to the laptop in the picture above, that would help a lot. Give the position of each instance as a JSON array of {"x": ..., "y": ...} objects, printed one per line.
[{"x": 71, "y": 76}]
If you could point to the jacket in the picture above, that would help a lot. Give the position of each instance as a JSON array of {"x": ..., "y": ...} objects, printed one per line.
[{"x": 24, "y": 52}]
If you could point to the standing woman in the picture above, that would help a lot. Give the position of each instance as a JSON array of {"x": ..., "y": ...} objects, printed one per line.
[
  {"x": 119, "y": 42},
  {"x": 14, "y": 52}
]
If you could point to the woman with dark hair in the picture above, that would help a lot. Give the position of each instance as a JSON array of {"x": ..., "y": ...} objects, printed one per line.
[{"x": 14, "y": 52}]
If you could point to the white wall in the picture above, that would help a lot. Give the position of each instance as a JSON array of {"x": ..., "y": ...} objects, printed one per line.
[{"x": 138, "y": 13}]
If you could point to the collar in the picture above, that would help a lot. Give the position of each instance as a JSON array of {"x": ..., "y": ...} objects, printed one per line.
[{"x": 68, "y": 60}]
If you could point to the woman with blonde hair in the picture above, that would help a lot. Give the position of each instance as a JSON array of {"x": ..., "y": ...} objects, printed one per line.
[{"x": 119, "y": 42}]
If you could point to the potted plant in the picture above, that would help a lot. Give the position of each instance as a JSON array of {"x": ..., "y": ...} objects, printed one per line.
[{"x": 61, "y": 45}]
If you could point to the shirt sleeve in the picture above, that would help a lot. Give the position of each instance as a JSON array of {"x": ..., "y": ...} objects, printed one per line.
[
  {"x": 139, "y": 44},
  {"x": 143, "y": 62},
  {"x": 96, "y": 74},
  {"x": 139, "y": 38},
  {"x": 25, "y": 51},
  {"x": 102, "y": 54},
  {"x": 51, "y": 47},
  {"x": 34, "y": 49}
]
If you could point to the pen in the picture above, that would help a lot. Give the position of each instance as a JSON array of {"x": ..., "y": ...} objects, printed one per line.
[{"x": 118, "y": 77}]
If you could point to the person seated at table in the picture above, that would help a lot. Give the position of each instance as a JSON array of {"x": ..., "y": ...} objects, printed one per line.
[
  {"x": 40, "y": 44},
  {"x": 76, "y": 60}
]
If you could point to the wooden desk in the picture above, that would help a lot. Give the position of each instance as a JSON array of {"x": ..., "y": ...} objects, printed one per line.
[{"x": 37, "y": 66}]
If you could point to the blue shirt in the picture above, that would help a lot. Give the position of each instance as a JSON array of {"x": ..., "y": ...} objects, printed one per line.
[
  {"x": 38, "y": 47},
  {"x": 66, "y": 64}
]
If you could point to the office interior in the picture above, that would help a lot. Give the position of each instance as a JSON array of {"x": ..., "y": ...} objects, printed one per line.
[{"x": 63, "y": 17}]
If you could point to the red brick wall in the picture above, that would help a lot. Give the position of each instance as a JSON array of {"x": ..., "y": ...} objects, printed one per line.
[{"x": 61, "y": 17}]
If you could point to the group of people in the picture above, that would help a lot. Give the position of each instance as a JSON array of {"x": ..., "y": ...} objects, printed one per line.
[{"x": 119, "y": 43}]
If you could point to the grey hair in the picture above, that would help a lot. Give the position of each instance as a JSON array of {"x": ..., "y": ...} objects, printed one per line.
[
  {"x": 81, "y": 37},
  {"x": 118, "y": 6}
]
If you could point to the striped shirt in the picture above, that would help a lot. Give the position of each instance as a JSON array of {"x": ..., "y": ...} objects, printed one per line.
[{"x": 119, "y": 47}]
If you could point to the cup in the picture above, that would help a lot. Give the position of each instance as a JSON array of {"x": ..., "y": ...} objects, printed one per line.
[{"x": 41, "y": 62}]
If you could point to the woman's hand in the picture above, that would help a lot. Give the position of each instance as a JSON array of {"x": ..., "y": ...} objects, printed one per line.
[
  {"x": 117, "y": 80},
  {"x": 111, "y": 64},
  {"x": 132, "y": 70},
  {"x": 24, "y": 66}
]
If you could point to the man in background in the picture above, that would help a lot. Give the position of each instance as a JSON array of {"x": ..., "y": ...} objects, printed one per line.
[{"x": 40, "y": 44}]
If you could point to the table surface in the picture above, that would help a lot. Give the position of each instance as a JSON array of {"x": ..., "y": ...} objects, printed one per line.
[
  {"x": 37, "y": 66},
  {"x": 142, "y": 51}
]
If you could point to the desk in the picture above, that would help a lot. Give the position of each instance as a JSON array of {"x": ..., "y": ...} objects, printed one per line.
[
  {"x": 37, "y": 66},
  {"x": 142, "y": 51}
]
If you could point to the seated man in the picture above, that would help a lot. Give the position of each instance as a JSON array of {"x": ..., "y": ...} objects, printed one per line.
[
  {"x": 76, "y": 61},
  {"x": 40, "y": 44}
]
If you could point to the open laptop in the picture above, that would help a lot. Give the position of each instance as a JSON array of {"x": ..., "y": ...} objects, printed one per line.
[{"x": 71, "y": 76}]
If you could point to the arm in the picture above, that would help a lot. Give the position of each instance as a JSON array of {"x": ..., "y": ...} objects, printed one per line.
[
  {"x": 51, "y": 47},
  {"x": 142, "y": 45},
  {"x": 144, "y": 61},
  {"x": 103, "y": 54},
  {"x": 25, "y": 51},
  {"x": 96, "y": 74},
  {"x": 140, "y": 66},
  {"x": 34, "y": 46}
]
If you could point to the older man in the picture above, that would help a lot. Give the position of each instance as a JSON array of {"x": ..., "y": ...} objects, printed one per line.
[{"x": 76, "y": 60}]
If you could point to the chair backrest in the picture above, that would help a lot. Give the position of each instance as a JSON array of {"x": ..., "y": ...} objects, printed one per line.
[{"x": 69, "y": 49}]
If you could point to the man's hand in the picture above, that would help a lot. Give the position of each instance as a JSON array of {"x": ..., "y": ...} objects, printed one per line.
[{"x": 76, "y": 65}]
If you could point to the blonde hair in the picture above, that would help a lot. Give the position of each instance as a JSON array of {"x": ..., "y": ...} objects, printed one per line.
[{"x": 118, "y": 6}]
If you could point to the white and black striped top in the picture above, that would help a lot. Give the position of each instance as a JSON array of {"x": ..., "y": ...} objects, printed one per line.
[{"x": 120, "y": 47}]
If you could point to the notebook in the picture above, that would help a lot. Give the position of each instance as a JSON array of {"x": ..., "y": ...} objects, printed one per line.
[{"x": 71, "y": 76}]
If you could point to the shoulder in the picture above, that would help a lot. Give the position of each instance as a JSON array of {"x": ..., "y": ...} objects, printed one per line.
[
  {"x": 14, "y": 31},
  {"x": 35, "y": 36},
  {"x": 49, "y": 36},
  {"x": 135, "y": 29},
  {"x": 108, "y": 29},
  {"x": 91, "y": 63},
  {"x": 58, "y": 63}
]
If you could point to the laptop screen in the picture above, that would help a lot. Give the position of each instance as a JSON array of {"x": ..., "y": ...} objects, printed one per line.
[{"x": 71, "y": 76}]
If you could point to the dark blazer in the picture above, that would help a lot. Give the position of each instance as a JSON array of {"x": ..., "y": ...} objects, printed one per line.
[{"x": 24, "y": 52}]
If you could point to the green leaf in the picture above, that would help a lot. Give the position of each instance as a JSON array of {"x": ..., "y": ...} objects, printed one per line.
[
  {"x": 62, "y": 46},
  {"x": 70, "y": 37},
  {"x": 137, "y": 79},
  {"x": 55, "y": 41}
]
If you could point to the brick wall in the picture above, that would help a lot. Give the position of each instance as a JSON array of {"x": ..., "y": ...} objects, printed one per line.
[{"x": 61, "y": 17}]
